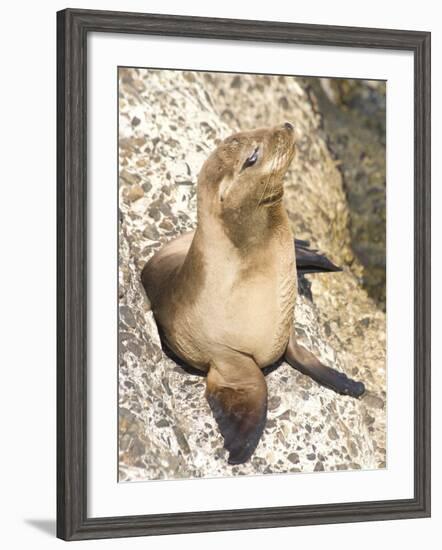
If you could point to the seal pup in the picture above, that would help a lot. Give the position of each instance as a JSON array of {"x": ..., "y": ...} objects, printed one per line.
[{"x": 223, "y": 296}]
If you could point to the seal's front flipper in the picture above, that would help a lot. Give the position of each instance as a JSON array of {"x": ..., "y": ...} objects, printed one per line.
[
  {"x": 304, "y": 361},
  {"x": 237, "y": 394},
  {"x": 311, "y": 261}
]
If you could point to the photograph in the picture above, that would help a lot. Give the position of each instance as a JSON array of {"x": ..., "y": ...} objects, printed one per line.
[{"x": 251, "y": 274}]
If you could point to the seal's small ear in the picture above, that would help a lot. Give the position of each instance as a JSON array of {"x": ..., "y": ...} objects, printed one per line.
[{"x": 237, "y": 394}]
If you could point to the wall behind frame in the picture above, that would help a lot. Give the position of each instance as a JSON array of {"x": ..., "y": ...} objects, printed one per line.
[{"x": 27, "y": 222}]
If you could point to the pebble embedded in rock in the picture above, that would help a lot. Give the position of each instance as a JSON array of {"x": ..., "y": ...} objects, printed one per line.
[
  {"x": 167, "y": 225},
  {"x": 373, "y": 401},
  {"x": 293, "y": 457},
  {"x": 127, "y": 316},
  {"x": 135, "y": 193},
  {"x": 129, "y": 177},
  {"x": 151, "y": 232},
  {"x": 274, "y": 402}
]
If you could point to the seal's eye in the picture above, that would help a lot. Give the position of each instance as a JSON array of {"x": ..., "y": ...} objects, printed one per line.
[{"x": 251, "y": 160}]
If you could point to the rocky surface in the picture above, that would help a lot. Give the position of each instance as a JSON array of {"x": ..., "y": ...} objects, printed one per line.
[
  {"x": 169, "y": 122},
  {"x": 354, "y": 124}
]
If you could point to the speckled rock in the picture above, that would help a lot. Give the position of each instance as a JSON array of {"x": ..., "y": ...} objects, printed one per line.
[
  {"x": 169, "y": 123},
  {"x": 353, "y": 121}
]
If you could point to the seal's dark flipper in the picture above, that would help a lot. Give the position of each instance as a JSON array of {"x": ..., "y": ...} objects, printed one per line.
[
  {"x": 311, "y": 261},
  {"x": 304, "y": 361},
  {"x": 237, "y": 394}
]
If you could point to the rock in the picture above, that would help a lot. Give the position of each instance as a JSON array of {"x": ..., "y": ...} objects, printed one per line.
[
  {"x": 127, "y": 317},
  {"x": 357, "y": 108},
  {"x": 373, "y": 401},
  {"x": 135, "y": 193},
  {"x": 151, "y": 232},
  {"x": 293, "y": 457},
  {"x": 129, "y": 177},
  {"x": 274, "y": 402},
  {"x": 167, "y": 225},
  {"x": 167, "y": 430}
]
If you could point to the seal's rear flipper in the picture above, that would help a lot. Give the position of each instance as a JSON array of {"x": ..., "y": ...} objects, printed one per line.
[
  {"x": 304, "y": 361},
  {"x": 311, "y": 261},
  {"x": 237, "y": 394}
]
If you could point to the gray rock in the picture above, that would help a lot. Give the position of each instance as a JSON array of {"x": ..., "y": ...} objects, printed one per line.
[
  {"x": 150, "y": 232},
  {"x": 135, "y": 193},
  {"x": 293, "y": 457},
  {"x": 354, "y": 119}
]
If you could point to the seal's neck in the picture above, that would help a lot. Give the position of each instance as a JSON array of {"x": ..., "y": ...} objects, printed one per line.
[{"x": 245, "y": 231}]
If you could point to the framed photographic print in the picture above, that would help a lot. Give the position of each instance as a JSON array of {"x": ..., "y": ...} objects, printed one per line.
[{"x": 243, "y": 274}]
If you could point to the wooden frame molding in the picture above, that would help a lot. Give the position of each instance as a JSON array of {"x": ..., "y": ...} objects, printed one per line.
[{"x": 73, "y": 27}]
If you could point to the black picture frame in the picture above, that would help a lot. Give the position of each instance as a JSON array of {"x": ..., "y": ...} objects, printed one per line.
[{"x": 73, "y": 27}]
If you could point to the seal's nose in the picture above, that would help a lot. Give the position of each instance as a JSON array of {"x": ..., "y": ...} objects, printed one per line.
[{"x": 288, "y": 126}]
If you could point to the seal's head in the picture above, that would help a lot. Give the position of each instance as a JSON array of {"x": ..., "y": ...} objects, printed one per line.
[{"x": 241, "y": 183}]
